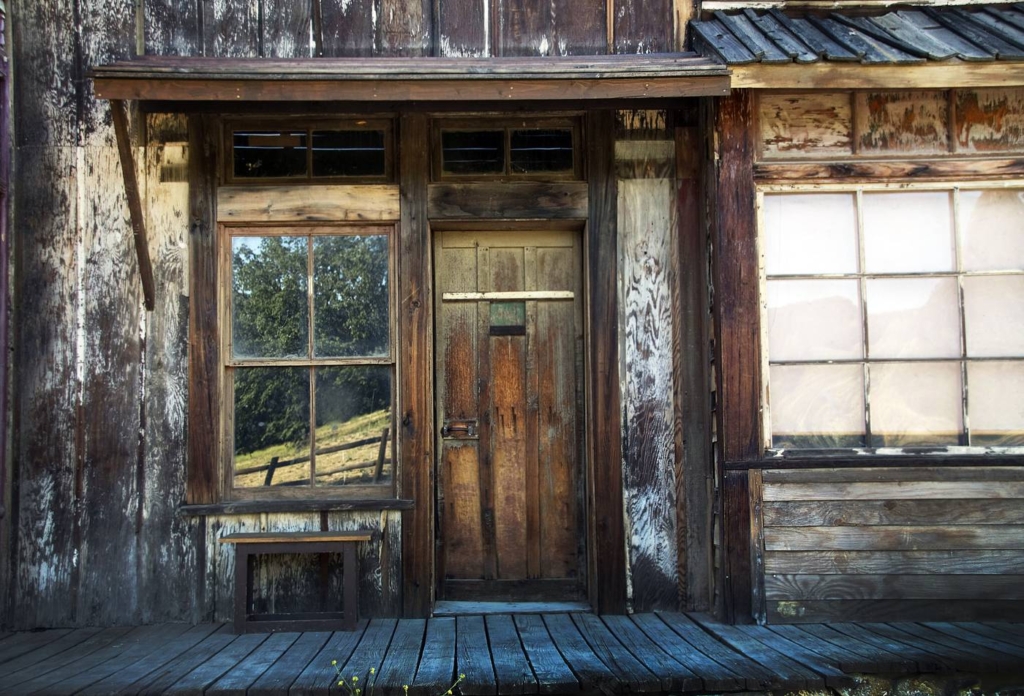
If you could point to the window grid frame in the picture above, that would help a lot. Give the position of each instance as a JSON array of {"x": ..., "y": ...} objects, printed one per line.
[
  {"x": 229, "y": 364},
  {"x": 958, "y": 273}
]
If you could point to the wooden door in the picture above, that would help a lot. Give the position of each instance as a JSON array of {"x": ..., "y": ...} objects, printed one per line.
[{"x": 509, "y": 388}]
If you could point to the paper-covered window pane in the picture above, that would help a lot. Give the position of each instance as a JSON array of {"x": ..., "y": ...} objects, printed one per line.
[
  {"x": 994, "y": 316},
  {"x": 269, "y": 303},
  {"x": 271, "y": 434},
  {"x": 996, "y": 403},
  {"x": 915, "y": 404},
  {"x": 814, "y": 320},
  {"x": 810, "y": 234},
  {"x": 817, "y": 406},
  {"x": 992, "y": 229},
  {"x": 351, "y": 296},
  {"x": 908, "y": 232},
  {"x": 913, "y": 318},
  {"x": 353, "y": 425}
]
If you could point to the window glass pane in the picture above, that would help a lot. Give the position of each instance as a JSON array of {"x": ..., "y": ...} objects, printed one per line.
[
  {"x": 908, "y": 232},
  {"x": 994, "y": 316},
  {"x": 353, "y": 425},
  {"x": 473, "y": 152},
  {"x": 814, "y": 320},
  {"x": 351, "y": 298},
  {"x": 269, "y": 305},
  {"x": 817, "y": 405},
  {"x": 541, "y": 150},
  {"x": 913, "y": 318},
  {"x": 269, "y": 153},
  {"x": 992, "y": 229},
  {"x": 915, "y": 404},
  {"x": 348, "y": 153},
  {"x": 810, "y": 233},
  {"x": 995, "y": 403},
  {"x": 271, "y": 426}
]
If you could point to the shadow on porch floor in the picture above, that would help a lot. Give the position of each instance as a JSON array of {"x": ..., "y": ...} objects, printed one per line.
[{"x": 521, "y": 654}]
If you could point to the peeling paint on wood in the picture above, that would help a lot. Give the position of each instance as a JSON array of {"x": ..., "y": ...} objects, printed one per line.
[
  {"x": 990, "y": 120},
  {"x": 902, "y": 122},
  {"x": 646, "y": 223},
  {"x": 805, "y": 125},
  {"x": 230, "y": 28}
]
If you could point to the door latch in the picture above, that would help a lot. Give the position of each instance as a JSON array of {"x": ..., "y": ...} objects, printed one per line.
[{"x": 459, "y": 429}]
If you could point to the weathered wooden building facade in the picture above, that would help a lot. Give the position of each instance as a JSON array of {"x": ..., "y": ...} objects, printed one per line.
[{"x": 627, "y": 305}]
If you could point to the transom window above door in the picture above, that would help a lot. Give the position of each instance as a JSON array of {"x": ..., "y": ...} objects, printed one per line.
[
  {"x": 309, "y": 369},
  {"x": 350, "y": 150},
  {"x": 492, "y": 148},
  {"x": 894, "y": 319}
]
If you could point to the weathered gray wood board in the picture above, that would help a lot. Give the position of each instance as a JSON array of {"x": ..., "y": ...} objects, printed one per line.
[{"x": 862, "y": 543}]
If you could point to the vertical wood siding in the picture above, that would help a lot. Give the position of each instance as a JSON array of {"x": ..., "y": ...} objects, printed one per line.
[{"x": 102, "y": 387}]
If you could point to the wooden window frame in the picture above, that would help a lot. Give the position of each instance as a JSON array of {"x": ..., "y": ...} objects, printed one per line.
[
  {"x": 958, "y": 273},
  {"x": 506, "y": 125},
  {"x": 229, "y": 363},
  {"x": 338, "y": 123}
]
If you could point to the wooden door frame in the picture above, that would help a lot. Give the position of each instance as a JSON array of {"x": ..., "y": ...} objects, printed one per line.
[{"x": 591, "y": 206}]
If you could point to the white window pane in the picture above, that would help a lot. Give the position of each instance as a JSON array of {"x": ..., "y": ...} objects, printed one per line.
[
  {"x": 994, "y": 316},
  {"x": 914, "y": 404},
  {"x": 995, "y": 403},
  {"x": 913, "y": 318},
  {"x": 992, "y": 229},
  {"x": 908, "y": 232},
  {"x": 817, "y": 405},
  {"x": 810, "y": 233},
  {"x": 814, "y": 320}
]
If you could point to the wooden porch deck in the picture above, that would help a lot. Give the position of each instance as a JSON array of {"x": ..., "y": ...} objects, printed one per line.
[{"x": 500, "y": 654}]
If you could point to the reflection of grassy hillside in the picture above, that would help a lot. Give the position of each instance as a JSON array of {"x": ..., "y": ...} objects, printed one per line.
[{"x": 363, "y": 427}]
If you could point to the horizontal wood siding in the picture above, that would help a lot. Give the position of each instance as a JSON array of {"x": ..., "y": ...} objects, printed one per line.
[{"x": 896, "y": 544}]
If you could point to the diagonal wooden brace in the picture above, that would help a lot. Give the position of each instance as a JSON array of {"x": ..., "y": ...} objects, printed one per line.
[{"x": 131, "y": 190}]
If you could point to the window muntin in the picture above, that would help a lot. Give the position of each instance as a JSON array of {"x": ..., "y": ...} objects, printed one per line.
[
  {"x": 349, "y": 150},
  {"x": 310, "y": 371},
  {"x": 891, "y": 317}
]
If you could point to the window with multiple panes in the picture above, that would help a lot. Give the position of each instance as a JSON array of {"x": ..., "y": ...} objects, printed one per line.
[
  {"x": 309, "y": 360},
  {"x": 894, "y": 318},
  {"x": 335, "y": 150},
  {"x": 503, "y": 148}
]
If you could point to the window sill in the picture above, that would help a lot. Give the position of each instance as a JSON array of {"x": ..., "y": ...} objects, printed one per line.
[
  {"x": 248, "y": 507},
  {"x": 908, "y": 457}
]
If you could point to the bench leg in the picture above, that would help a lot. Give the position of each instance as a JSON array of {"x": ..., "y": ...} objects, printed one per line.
[
  {"x": 350, "y": 577},
  {"x": 243, "y": 587}
]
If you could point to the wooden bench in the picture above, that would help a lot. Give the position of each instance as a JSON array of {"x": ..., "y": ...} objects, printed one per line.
[{"x": 248, "y": 545}]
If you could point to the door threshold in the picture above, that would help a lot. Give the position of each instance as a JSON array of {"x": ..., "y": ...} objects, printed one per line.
[{"x": 449, "y": 608}]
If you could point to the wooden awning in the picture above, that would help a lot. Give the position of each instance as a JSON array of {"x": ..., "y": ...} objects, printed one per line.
[{"x": 190, "y": 79}]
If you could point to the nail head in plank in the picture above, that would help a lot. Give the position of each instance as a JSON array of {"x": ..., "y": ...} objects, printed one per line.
[
  {"x": 757, "y": 677},
  {"x": 592, "y": 673},
  {"x": 511, "y": 667},
  {"x": 715, "y": 677},
  {"x": 674, "y": 676},
  {"x": 473, "y": 658},
  {"x": 319, "y": 675},
  {"x": 553, "y": 674},
  {"x": 402, "y": 657},
  {"x": 437, "y": 663}
]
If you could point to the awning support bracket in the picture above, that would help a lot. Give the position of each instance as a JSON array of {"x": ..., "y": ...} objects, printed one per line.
[{"x": 131, "y": 189}]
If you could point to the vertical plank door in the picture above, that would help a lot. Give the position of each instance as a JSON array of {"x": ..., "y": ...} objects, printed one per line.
[{"x": 509, "y": 387}]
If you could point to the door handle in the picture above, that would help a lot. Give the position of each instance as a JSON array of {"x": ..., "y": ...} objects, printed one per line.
[{"x": 459, "y": 429}]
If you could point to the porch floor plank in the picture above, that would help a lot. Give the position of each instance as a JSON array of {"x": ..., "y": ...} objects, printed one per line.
[
  {"x": 473, "y": 658},
  {"x": 715, "y": 676},
  {"x": 511, "y": 668},
  {"x": 319, "y": 675},
  {"x": 437, "y": 660},
  {"x": 553, "y": 675},
  {"x": 238, "y": 679},
  {"x": 502, "y": 655},
  {"x": 402, "y": 659},
  {"x": 83, "y": 656},
  {"x": 280, "y": 676}
]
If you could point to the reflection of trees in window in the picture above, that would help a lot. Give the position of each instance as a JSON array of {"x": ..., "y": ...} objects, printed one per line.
[{"x": 309, "y": 359}]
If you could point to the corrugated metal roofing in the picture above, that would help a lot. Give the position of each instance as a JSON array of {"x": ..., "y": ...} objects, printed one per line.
[{"x": 905, "y": 36}]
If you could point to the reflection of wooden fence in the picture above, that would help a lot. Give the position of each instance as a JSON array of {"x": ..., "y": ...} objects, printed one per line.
[{"x": 378, "y": 465}]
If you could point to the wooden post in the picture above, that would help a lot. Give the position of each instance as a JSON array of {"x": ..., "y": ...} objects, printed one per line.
[
  {"x": 131, "y": 190},
  {"x": 604, "y": 412},
  {"x": 204, "y": 352},
  {"x": 416, "y": 419},
  {"x": 737, "y": 328}
]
